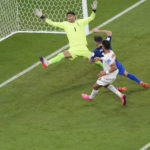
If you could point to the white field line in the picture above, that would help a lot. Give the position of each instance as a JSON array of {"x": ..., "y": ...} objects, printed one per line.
[
  {"x": 31, "y": 67},
  {"x": 66, "y": 46},
  {"x": 145, "y": 147}
]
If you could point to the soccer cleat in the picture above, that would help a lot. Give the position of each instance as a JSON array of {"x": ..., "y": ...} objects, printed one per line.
[
  {"x": 85, "y": 96},
  {"x": 123, "y": 99},
  {"x": 43, "y": 61},
  {"x": 122, "y": 89},
  {"x": 144, "y": 84}
]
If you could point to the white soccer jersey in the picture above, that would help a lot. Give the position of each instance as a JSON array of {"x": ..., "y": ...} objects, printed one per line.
[{"x": 108, "y": 60}]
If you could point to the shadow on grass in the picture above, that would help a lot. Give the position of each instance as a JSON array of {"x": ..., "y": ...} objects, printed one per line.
[
  {"x": 73, "y": 87},
  {"x": 134, "y": 91}
]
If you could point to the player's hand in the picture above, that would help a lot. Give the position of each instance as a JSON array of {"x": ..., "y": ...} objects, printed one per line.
[
  {"x": 38, "y": 12},
  {"x": 97, "y": 59},
  {"x": 102, "y": 73},
  {"x": 94, "y": 5},
  {"x": 90, "y": 60},
  {"x": 95, "y": 30}
]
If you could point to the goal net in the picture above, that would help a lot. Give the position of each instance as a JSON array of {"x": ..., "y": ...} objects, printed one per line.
[{"x": 18, "y": 15}]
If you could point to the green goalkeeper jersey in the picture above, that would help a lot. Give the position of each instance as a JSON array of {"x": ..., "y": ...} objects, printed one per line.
[{"x": 75, "y": 31}]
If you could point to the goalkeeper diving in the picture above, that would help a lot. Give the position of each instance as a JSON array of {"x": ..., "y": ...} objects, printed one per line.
[{"x": 75, "y": 33}]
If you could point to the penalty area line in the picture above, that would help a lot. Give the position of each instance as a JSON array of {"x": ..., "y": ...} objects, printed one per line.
[
  {"x": 145, "y": 147},
  {"x": 66, "y": 46}
]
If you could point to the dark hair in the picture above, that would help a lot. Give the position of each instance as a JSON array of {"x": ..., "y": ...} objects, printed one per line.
[
  {"x": 106, "y": 44},
  {"x": 98, "y": 39},
  {"x": 70, "y": 12}
]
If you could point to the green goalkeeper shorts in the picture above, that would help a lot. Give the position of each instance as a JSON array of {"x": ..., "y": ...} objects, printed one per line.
[{"x": 80, "y": 51}]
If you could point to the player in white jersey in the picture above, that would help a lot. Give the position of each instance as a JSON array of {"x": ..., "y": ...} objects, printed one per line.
[{"x": 108, "y": 75}]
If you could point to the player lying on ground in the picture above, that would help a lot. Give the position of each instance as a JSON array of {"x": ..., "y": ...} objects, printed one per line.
[
  {"x": 98, "y": 53},
  {"x": 76, "y": 35},
  {"x": 108, "y": 75}
]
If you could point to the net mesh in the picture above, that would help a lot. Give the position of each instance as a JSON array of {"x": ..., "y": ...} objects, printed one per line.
[
  {"x": 8, "y": 17},
  {"x": 18, "y": 15},
  {"x": 53, "y": 9}
]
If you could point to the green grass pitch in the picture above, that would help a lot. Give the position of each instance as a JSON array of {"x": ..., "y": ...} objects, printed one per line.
[{"x": 43, "y": 109}]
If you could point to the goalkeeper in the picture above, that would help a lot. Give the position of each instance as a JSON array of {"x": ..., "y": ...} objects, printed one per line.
[{"x": 76, "y": 35}]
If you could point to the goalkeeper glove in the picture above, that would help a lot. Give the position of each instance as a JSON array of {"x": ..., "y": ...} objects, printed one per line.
[
  {"x": 94, "y": 5},
  {"x": 39, "y": 13}
]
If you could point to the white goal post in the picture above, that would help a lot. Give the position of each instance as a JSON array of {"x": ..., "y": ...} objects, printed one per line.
[{"x": 17, "y": 16}]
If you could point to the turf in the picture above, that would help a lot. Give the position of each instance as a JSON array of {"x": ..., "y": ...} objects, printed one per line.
[{"x": 43, "y": 109}]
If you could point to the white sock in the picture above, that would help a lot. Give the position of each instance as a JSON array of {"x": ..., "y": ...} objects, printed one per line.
[
  {"x": 114, "y": 90},
  {"x": 93, "y": 94}
]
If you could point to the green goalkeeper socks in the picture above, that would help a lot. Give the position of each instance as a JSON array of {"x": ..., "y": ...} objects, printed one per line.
[
  {"x": 99, "y": 63},
  {"x": 57, "y": 58}
]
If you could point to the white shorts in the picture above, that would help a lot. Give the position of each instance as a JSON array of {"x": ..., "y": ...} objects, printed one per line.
[{"x": 107, "y": 79}]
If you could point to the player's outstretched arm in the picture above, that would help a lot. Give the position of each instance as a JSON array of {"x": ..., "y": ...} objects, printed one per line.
[
  {"x": 107, "y": 32},
  {"x": 38, "y": 13},
  {"x": 50, "y": 22},
  {"x": 94, "y": 5},
  {"x": 92, "y": 16}
]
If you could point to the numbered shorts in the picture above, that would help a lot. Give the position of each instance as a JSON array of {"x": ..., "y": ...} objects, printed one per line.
[{"x": 79, "y": 51}]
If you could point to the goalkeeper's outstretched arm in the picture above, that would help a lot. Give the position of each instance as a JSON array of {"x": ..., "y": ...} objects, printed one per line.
[
  {"x": 49, "y": 21},
  {"x": 92, "y": 16}
]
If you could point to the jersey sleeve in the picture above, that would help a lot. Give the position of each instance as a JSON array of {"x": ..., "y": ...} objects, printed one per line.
[
  {"x": 89, "y": 19},
  {"x": 93, "y": 55},
  {"x": 55, "y": 24}
]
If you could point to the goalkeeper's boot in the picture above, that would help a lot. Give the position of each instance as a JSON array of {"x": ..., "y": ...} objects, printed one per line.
[
  {"x": 123, "y": 99},
  {"x": 87, "y": 97},
  {"x": 43, "y": 61},
  {"x": 144, "y": 84},
  {"x": 122, "y": 89}
]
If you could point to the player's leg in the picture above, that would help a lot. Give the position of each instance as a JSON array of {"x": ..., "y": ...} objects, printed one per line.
[
  {"x": 117, "y": 92},
  {"x": 131, "y": 76},
  {"x": 99, "y": 63},
  {"x": 122, "y": 71},
  {"x": 85, "y": 52},
  {"x": 93, "y": 93},
  {"x": 106, "y": 81},
  {"x": 134, "y": 78},
  {"x": 102, "y": 82},
  {"x": 99, "y": 83},
  {"x": 59, "y": 57}
]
